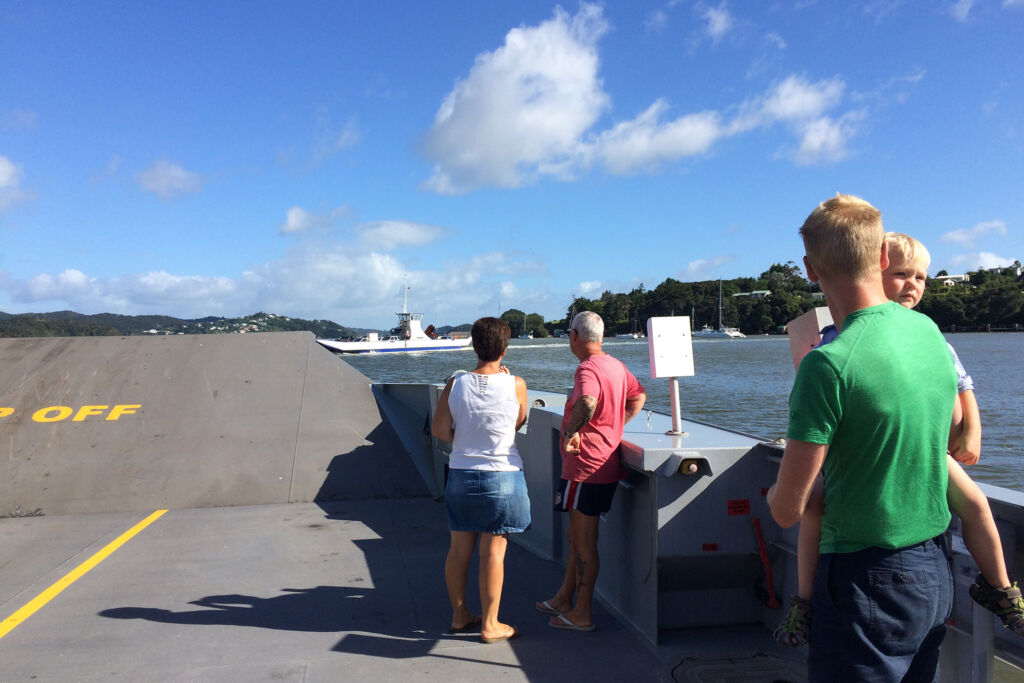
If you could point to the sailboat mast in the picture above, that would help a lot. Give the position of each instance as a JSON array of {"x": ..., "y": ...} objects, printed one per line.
[
  {"x": 720, "y": 305},
  {"x": 405, "y": 293}
]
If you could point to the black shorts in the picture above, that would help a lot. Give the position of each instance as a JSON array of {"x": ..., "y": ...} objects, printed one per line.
[{"x": 590, "y": 499}]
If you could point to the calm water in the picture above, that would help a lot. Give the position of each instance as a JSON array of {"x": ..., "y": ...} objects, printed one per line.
[{"x": 743, "y": 384}]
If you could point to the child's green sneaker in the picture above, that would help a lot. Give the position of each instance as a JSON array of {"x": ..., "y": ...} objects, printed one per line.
[
  {"x": 795, "y": 629},
  {"x": 1006, "y": 603}
]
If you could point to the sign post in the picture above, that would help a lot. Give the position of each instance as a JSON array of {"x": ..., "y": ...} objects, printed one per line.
[{"x": 671, "y": 351}]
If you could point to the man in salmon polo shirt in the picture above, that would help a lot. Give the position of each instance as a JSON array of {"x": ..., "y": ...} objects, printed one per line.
[{"x": 605, "y": 396}]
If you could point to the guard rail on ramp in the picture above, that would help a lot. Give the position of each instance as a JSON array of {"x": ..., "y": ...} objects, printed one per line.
[{"x": 108, "y": 424}]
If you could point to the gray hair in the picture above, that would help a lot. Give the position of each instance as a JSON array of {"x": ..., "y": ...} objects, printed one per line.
[{"x": 588, "y": 326}]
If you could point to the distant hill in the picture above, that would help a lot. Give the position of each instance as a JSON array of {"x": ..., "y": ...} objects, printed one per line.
[
  {"x": 71, "y": 324},
  {"x": 448, "y": 329}
]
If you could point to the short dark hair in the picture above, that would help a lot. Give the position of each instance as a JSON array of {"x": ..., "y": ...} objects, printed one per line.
[{"x": 490, "y": 338}]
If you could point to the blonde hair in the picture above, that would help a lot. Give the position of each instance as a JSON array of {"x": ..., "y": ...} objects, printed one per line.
[
  {"x": 843, "y": 237},
  {"x": 908, "y": 250}
]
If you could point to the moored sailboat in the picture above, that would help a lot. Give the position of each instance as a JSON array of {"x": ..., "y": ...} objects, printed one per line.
[{"x": 722, "y": 332}]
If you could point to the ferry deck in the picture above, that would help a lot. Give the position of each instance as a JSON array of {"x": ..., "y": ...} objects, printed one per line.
[{"x": 249, "y": 508}]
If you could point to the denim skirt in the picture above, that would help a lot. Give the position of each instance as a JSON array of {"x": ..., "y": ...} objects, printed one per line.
[{"x": 487, "y": 501}]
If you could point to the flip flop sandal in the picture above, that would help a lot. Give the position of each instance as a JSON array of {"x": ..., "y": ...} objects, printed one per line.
[
  {"x": 545, "y": 607},
  {"x": 566, "y": 625}
]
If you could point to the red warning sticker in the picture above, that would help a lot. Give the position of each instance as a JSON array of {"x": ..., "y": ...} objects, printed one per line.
[
  {"x": 740, "y": 506},
  {"x": 709, "y": 547}
]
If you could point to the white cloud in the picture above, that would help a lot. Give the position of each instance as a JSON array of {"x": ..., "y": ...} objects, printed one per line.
[
  {"x": 718, "y": 21},
  {"x": 112, "y": 166},
  {"x": 645, "y": 141},
  {"x": 352, "y": 282},
  {"x": 795, "y": 98},
  {"x": 156, "y": 291},
  {"x": 880, "y": 9},
  {"x": 11, "y": 192},
  {"x": 392, "y": 234},
  {"x": 824, "y": 140},
  {"x": 522, "y": 109},
  {"x": 46, "y": 286},
  {"x": 895, "y": 89},
  {"x": 588, "y": 288},
  {"x": 801, "y": 105},
  {"x": 656, "y": 21},
  {"x": 19, "y": 120},
  {"x": 981, "y": 260},
  {"x": 772, "y": 47},
  {"x": 169, "y": 180},
  {"x": 968, "y": 236},
  {"x": 297, "y": 219},
  {"x": 1013, "y": 3},
  {"x": 528, "y": 110},
  {"x": 109, "y": 170},
  {"x": 331, "y": 139},
  {"x": 10, "y": 174},
  {"x": 705, "y": 267},
  {"x": 960, "y": 9}
]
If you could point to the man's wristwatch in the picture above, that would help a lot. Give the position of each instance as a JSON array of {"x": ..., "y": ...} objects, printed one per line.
[{"x": 566, "y": 434}]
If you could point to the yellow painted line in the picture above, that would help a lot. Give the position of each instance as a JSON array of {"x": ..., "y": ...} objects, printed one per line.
[{"x": 8, "y": 624}]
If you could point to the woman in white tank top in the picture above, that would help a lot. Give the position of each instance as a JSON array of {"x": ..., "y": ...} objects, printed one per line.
[{"x": 479, "y": 413}]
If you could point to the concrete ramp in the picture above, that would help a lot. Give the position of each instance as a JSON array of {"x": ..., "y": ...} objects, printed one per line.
[{"x": 104, "y": 424}]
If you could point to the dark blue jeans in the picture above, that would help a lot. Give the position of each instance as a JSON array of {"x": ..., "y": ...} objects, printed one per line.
[{"x": 880, "y": 615}]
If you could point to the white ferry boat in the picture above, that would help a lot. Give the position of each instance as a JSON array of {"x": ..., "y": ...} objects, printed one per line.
[{"x": 409, "y": 336}]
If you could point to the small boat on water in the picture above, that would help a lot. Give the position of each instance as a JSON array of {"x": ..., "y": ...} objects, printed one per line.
[
  {"x": 722, "y": 332},
  {"x": 408, "y": 336},
  {"x": 627, "y": 335}
]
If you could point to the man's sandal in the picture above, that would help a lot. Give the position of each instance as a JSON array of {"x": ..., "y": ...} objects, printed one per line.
[
  {"x": 795, "y": 629},
  {"x": 1006, "y": 603}
]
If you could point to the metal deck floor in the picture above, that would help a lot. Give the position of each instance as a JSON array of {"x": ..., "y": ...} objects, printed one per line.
[{"x": 306, "y": 592}]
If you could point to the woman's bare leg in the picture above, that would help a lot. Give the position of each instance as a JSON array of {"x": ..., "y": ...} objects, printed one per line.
[
  {"x": 456, "y": 572},
  {"x": 492, "y": 577}
]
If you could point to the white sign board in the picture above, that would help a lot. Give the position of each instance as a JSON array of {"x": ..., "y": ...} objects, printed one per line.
[
  {"x": 805, "y": 332},
  {"x": 670, "y": 346}
]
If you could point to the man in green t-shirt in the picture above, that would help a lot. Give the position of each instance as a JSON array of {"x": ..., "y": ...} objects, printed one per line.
[{"x": 871, "y": 411}]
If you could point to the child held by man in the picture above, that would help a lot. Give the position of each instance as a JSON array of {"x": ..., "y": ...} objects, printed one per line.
[{"x": 904, "y": 282}]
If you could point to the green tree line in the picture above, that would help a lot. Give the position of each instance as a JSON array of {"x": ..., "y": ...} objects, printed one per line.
[
  {"x": 71, "y": 324},
  {"x": 991, "y": 300}
]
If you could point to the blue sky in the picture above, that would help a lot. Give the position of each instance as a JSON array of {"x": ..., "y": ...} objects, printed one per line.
[{"x": 220, "y": 158}]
